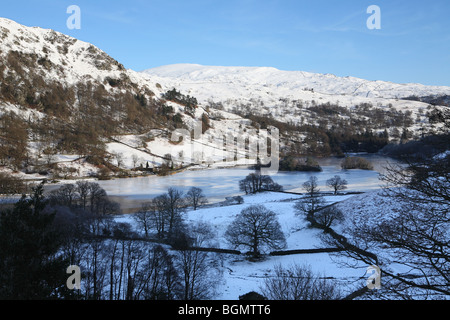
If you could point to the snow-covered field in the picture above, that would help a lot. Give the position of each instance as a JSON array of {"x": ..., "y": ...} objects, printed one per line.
[{"x": 241, "y": 276}]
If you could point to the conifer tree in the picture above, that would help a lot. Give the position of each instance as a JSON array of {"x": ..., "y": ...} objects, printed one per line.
[{"x": 30, "y": 265}]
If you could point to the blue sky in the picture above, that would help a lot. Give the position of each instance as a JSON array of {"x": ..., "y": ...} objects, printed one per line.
[{"x": 413, "y": 44}]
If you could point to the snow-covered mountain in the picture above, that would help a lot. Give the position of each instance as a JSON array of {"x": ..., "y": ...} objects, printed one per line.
[
  {"x": 221, "y": 83},
  {"x": 290, "y": 96}
]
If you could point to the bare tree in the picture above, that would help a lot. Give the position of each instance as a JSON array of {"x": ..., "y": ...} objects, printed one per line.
[
  {"x": 135, "y": 159},
  {"x": 118, "y": 156},
  {"x": 145, "y": 218},
  {"x": 169, "y": 209},
  {"x": 195, "y": 197},
  {"x": 158, "y": 215},
  {"x": 311, "y": 186},
  {"x": 160, "y": 280},
  {"x": 256, "y": 227},
  {"x": 298, "y": 283},
  {"x": 199, "y": 270},
  {"x": 83, "y": 192},
  {"x": 327, "y": 216},
  {"x": 96, "y": 269},
  {"x": 309, "y": 206},
  {"x": 135, "y": 255},
  {"x": 313, "y": 201},
  {"x": 238, "y": 199},
  {"x": 413, "y": 228},
  {"x": 337, "y": 184},
  {"x": 65, "y": 195},
  {"x": 97, "y": 195}
]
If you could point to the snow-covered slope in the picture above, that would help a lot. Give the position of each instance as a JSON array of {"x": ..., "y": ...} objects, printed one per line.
[
  {"x": 65, "y": 59},
  {"x": 35, "y": 61}
]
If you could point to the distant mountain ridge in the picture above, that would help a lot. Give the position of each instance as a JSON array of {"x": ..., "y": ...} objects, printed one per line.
[
  {"x": 268, "y": 78},
  {"x": 300, "y": 98}
]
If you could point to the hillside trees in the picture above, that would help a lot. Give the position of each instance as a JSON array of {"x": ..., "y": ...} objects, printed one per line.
[
  {"x": 329, "y": 129},
  {"x": 13, "y": 140},
  {"x": 206, "y": 123},
  {"x": 78, "y": 118},
  {"x": 189, "y": 103}
]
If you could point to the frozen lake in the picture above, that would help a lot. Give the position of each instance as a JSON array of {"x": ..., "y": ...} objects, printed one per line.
[{"x": 220, "y": 183}]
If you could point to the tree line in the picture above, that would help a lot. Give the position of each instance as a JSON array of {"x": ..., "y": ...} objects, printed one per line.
[{"x": 42, "y": 235}]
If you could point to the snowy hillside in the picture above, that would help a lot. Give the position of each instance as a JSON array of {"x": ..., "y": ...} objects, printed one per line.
[
  {"x": 75, "y": 60},
  {"x": 49, "y": 79},
  {"x": 286, "y": 95}
]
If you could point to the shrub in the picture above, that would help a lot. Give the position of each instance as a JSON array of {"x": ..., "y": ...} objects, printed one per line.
[
  {"x": 255, "y": 182},
  {"x": 356, "y": 163},
  {"x": 291, "y": 163}
]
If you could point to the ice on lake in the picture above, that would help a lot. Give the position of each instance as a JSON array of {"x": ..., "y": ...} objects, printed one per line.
[{"x": 220, "y": 183}]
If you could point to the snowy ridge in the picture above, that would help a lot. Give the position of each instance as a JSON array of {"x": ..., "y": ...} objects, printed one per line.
[
  {"x": 270, "y": 79},
  {"x": 76, "y": 60}
]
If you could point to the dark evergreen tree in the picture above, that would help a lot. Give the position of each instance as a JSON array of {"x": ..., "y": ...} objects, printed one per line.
[{"x": 30, "y": 265}]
